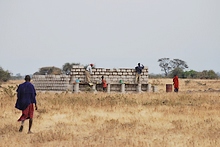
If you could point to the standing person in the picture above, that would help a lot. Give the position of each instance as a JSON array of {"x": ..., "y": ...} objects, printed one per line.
[
  {"x": 176, "y": 83},
  {"x": 26, "y": 98},
  {"x": 88, "y": 72},
  {"x": 138, "y": 70},
  {"x": 104, "y": 84}
]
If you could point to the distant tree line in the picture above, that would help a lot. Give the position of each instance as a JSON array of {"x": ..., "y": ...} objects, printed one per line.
[
  {"x": 177, "y": 66},
  {"x": 192, "y": 74}
]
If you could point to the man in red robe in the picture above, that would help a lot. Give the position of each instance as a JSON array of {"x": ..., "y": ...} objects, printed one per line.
[
  {"x": 176, "y": 83},
  {"x": 25, "y": 102}
]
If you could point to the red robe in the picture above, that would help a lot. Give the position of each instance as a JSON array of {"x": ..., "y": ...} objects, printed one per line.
[
  {"x": 176, "y": 82},
  {"x": 104, "y": 83},
  {"x": 27, "y": 113}
]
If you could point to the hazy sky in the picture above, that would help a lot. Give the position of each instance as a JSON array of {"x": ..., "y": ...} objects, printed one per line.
[{"x": 108, "y": 33}]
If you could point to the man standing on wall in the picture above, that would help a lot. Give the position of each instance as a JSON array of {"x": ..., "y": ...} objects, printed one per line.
[
  {"x": 88, "y": 73},
  {"x": 138, "y": 70},
  {"x": 176, "y": 83},
  {"x": 26, "y": 98}
]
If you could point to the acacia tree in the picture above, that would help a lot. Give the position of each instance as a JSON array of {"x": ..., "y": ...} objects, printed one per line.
[
  {"x": 165, "y": 65},
  {"x": 168, "y": 65},
  {"x": 177, "y": 63}
]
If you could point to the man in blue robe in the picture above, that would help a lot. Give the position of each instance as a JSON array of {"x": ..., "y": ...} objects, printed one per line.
[{"x": 26, "y": 98}]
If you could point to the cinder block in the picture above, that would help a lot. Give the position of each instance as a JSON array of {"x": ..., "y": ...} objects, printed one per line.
[
  {"x": 119, "y": 73},
  {"x": 102, "y": 73},
  {"x": 77, "y": 69},
  {"x": 123, "y": 70},
  {"x": 145, "y": 73},
  {"x": 98, "y": 69},
  {"x": 75, "y": 66},
  {"x": 81, "y": 73}
]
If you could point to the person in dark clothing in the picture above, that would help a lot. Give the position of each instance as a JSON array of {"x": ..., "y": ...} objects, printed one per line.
[
  {"x": 138, "y": 70},
  {"x": 26, "y": 99}
]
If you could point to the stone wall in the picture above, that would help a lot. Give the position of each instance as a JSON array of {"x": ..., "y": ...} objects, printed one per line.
[{"x": 119, "y": 80}]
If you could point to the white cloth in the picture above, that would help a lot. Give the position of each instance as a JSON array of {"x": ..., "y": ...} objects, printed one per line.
[{"x": 89, "y": 69}]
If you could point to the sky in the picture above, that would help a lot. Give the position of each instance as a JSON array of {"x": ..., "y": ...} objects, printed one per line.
[{"x": 108, "y": 33}]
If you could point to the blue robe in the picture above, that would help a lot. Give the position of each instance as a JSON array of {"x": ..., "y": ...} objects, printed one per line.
[{"x": 25, "y": 95}]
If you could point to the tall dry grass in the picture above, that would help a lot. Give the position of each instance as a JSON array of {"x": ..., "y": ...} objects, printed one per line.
[{"x": 190, "y": 118}]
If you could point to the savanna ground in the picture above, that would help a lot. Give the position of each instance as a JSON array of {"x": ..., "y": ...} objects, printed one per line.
[{"x": 190, "y": 118}]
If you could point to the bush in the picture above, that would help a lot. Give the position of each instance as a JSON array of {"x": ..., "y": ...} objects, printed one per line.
[
  {"x": 10, "y": 91},
  {"x": 207, "y": 74},
  {"x": 4, "y": 75},
  {"x": 176, "y": 71}
]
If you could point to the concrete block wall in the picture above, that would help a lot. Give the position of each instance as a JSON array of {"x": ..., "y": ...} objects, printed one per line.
[
  {"x": 51, "y": 82},
  {"x": 112, "y": 76}
]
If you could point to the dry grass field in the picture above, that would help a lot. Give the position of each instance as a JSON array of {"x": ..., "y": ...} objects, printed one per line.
[{"x": 190, "y": 118}]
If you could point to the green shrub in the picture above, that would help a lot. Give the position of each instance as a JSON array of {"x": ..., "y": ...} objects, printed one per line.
[{"x": 4, "y": 75}]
